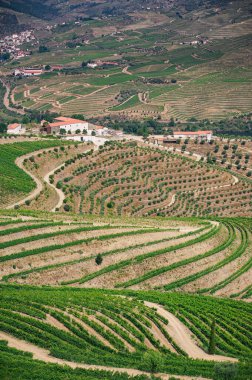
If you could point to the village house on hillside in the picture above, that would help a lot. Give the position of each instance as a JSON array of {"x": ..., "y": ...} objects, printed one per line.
[
  {"x": 65, "y": 125},
  {"x": 15, "y": 129}
]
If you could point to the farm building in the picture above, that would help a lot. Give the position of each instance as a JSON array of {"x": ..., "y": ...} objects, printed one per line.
[
  {"x": 162, "y": 140},
  {"x": 15, "y": 129},
  {"x": 68, "y": 124},
  {"x": 28, "y": 72},
  {"x": 202, "y": 135}
]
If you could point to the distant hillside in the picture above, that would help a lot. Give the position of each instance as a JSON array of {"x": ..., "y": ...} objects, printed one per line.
[
  {"x": 37, "y": 8},
  {"x": 49, "y": 9}
]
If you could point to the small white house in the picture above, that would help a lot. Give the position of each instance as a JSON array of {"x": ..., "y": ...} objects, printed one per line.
[
  {"x": 15, "y": 129},
  {"x": 92, "y": 65}
]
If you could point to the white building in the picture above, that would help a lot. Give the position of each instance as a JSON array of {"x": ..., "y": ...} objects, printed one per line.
[
  {"x": 202, "y": 135},
  {"x": 68, "y": 124},
  {"x": 28, "y": 72},
  {"x": 15, "y": 129},
  {"x": 92, "y": 65}
]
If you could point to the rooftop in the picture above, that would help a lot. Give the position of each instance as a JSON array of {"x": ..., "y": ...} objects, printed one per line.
[
  {"x": 198, "y": 133},
  {"x": 69, "y": 120},
  {"x": 13, "y": 126}
]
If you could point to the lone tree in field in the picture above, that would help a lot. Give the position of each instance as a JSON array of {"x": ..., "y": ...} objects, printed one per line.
[
  {"x": 211, "y": 348},
  {"x": 99, "y": 259}
]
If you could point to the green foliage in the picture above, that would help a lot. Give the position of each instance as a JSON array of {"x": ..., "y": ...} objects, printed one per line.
[
  {"x": 153, "y": 361},
  {"x": 99, "y": 259},
  {"x": 211, "y": 348},
  {"x": 226, "y": 371}
]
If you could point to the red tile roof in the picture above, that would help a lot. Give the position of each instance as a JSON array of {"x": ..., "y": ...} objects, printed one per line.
[
  {"x": 199, "y": 133},
  {"x": 69, "y": 120},
  {"x": 13, "y": 126}
]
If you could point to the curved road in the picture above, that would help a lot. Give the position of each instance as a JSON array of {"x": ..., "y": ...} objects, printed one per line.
[
  {"x": 183, "y": 336},
  {"x": 39, "y": 184},
  {"x": 6, "y": 101}
]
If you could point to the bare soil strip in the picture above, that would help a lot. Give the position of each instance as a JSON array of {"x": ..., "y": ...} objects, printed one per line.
[{"x": 183, "y": 336}]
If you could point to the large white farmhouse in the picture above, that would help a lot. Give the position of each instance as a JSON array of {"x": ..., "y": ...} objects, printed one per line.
[{"x": 68, "y": 124}]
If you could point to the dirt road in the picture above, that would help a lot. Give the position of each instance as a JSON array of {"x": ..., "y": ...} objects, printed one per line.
[
  {"x": 44, "y": 355},
  {"x": 6, "y": 101},
  {"x": 59, "y": 192},
  {"x": 39, "y": 185},
  {"x": 183, "y": 336}
]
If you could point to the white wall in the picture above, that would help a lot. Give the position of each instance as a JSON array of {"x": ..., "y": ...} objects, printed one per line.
[
  {"x": 207, "y": 137},
  {"x": 74, "y": 127},
  {"x": 16, "y": 131}
]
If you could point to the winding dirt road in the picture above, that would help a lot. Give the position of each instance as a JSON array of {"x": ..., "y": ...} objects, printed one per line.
[
  {"x": 6, "y": 101},
  {"x": 59, "y": 192},
  {"x": 183, "y": 336},
  {"x": 39, "y": 183}
]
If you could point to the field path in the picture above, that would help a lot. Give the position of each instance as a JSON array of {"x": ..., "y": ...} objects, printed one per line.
[
  {"x": 44, "y": 355},
  {"x": 6, "y": 101},
  {"x": 183, "y": 336},
  {"x": 59, "y": 192},
  {"x": 39, "y": 186},
  {"x": 125, "y": 70}
]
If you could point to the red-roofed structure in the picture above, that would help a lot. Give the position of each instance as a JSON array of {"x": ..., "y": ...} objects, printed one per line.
[
  {"x": 68, "y": 124},
  {"x": 204, "y": 135},
  {"x": 14, "y": 129}
]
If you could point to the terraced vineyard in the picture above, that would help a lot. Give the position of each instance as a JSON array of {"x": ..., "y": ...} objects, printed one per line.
[
  {"x": 169, "y": 254},
  {"x": 100, "y": 331},
  {"x": 129, "y": 260},
  {"x": 131, "y": 179},
  {"x": 194, "y": 66},
  {"x": 148, "y": 322}
]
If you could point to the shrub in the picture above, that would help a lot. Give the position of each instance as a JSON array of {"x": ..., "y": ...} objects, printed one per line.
[
  {"x": 67, "y": 208},
  {"x": 99, "y": 259},
  {"x": 225, "y": 371}
]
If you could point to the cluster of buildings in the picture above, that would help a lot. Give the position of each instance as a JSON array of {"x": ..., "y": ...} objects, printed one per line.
[
  {"x": 64, "y": 126},
  {"x": 199, "y": 41},
  {"x": 69, "y": 126},
  {"x": 12, "y": 44}
]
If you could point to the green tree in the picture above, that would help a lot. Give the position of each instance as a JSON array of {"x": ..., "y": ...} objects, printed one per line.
[
  {"x": 99, "y": 259},
  {"x": 67, "y": 208},
  {"x": 3, "y": 128},
  {"x": 211, "y": 347}
]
